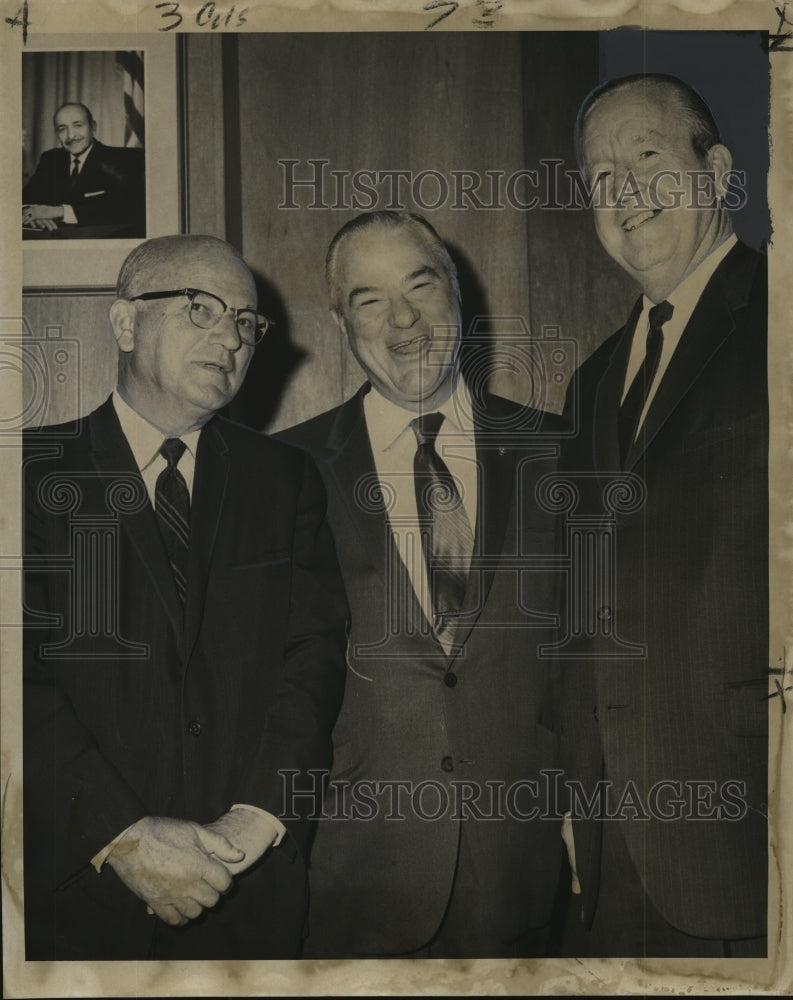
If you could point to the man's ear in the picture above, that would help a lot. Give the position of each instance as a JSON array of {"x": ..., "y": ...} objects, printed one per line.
[
  {"x": 122, "y": 318},
  {"x": 720, "y": 162},
  {"x": 339, "y": 320}
]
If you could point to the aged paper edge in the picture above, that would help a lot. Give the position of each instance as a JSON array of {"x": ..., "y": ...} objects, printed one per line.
[{"x": 402, "y": 977}]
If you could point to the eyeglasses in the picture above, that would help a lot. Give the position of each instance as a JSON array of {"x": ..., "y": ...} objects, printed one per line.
[{"x": 206, "y": 310}]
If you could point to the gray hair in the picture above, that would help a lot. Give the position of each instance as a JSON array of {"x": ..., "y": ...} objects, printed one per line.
[{"x": 145, "y": 260}]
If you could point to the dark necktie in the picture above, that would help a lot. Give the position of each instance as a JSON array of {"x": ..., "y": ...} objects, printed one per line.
[
  {"x": 172, "y": 507},
  {"x": 75, "y": 171},
  {"x": 448, "y": 541},
  {"x": 636, "y": 397}
]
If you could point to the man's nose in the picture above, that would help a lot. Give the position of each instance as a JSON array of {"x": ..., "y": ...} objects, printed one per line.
[
  {"x": 226, "y": 333},
  {"x": 403, "y": 313},
  {"x": 624, "y": 182}
]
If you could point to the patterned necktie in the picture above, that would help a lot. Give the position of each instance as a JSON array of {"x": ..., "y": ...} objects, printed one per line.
[
  {"x": 448, "y": 543},
  {"x": 172, "y": 507},
  {"x": 636, "y": 397},
  {"x": 75, "y": 171}
]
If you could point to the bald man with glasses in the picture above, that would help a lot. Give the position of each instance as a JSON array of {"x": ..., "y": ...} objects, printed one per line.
[{"x": 184, "y": 642}]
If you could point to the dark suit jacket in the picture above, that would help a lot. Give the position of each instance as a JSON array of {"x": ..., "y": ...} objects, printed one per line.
[
  {"x": 127, "y": 713},
  {"x": 691, "y": 585},
  {"x": 110, "y": 188},
  {"x": 380, "y": 884}
]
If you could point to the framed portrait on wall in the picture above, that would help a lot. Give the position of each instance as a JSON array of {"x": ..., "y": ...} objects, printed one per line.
[{"x": 100, "y": 154}]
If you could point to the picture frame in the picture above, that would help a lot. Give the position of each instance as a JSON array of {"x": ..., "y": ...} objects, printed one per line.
[{"x": 64, "y": 264}]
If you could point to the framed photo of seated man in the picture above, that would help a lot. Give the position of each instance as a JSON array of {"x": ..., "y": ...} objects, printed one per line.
[
  {"x": 85, "y": 132},
  {"x": 99, "y": 158}
]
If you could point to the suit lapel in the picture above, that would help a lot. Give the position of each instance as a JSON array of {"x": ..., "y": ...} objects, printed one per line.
[
  {"x": 495, "y": 491},
  {"x": 605, "y": 419},
  {"x": 209, "y": 494},
  {"x": 112, "y": 457},
  {"x": 351, "y": 462},
  {"x": 711, "y": 323}
]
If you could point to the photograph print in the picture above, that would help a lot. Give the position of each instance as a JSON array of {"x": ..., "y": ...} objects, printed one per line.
[
  {"x": 83, "y": 151},
  {"x": 396, "y": 585}
]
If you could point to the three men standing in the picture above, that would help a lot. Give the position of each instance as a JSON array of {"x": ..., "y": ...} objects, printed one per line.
[{"x": 429, "y": 843}]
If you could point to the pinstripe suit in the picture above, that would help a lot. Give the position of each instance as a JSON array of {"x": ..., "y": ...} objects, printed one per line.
[{"x": 691, "y": 586}]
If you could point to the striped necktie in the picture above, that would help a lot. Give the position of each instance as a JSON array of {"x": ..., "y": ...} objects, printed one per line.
[
  {"x": 448, "y": 541},
  {"x": 172, "y": 507}
]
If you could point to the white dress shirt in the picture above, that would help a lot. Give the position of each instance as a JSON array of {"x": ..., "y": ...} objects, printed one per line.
[
  {"x": 684, "y": 299},
  {"x": 145, "y": 440},
  {"x": 394, "y": 447}
]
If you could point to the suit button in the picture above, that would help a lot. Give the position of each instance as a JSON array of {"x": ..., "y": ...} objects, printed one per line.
[
  {"x": 447, "y": 764},
  {"x": 194, "y": 728},
  {"x": 604, "y": 613},
  {"x": 450, "y": 680}
]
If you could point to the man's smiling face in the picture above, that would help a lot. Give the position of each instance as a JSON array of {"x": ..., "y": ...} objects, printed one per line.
[
  {"x": 74, "y": 128},
  {"x": 398, "y": 308},
  {"x": 643, "y": 130}
]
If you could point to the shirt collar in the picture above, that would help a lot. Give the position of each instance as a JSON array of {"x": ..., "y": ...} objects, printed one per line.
[
  {"x": 386, "y": 421},
  {"x": 80, "y": 157},
  {"x": 686, "y": 295},
  {"x": 144, "y": 438}
]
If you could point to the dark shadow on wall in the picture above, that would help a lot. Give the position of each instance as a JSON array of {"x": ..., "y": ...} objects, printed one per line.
[
  {"x": 274, "y": 362},
  {"x": 476, "y": 350}
]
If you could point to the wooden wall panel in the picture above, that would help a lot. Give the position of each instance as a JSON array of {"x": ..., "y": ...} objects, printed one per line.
[
  {"x": 203, "y": 117},
  {"x": 72, "y": 344},
  {"x": 575, "y": 286},
  {"x": 440, "y": 102}
]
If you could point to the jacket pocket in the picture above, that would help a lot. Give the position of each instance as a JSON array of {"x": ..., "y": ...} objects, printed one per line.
[{"x": 262, "y": 561}]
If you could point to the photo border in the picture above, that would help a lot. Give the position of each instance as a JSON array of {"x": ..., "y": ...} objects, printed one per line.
[
  {"x": 441, "y": 977},
  {"x": 44, "y": 268}
]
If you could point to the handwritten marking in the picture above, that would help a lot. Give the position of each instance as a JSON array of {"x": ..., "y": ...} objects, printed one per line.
[
  {"x": 24, "y": 23},
  {"x": 174, "y": 12},
  {"x": 775, "y": 41},
  {"x": 436, "y": 5},
  {"x": 208, "y": 16},
  {"x": 487, "y": 10},
  {"x": 780, "y": 690}
]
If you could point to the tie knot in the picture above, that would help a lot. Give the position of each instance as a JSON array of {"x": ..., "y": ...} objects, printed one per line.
[
  {"x": 172, "y": 450},
  {"x": 426, "y": 427},
  {"x": 661, "y": 314}
]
